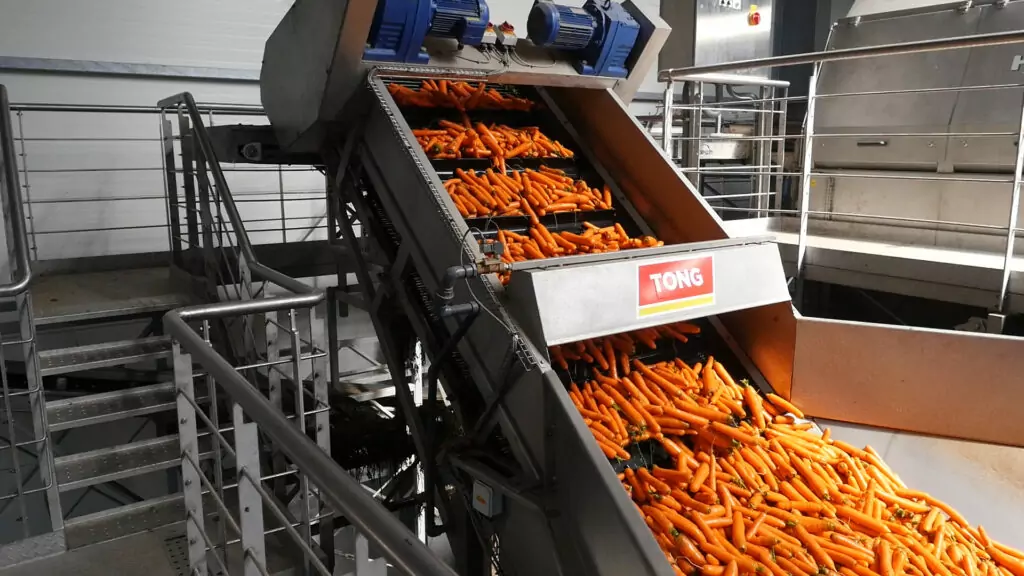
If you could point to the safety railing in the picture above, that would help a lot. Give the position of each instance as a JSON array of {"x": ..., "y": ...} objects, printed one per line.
[
  {"x": 730, "y": 143},
  {"x": 90, "y": 176},
  {"x": 26, "y": 456},
  {"x": 801, "y": 208},
  {"x": 272, "y": 473}
]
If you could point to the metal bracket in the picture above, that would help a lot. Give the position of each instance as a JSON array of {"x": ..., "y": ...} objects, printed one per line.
[{"x": 995, "y": 323}]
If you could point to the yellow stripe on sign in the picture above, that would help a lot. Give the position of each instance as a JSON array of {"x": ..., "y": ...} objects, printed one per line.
[{"x": 677, "y": 305}]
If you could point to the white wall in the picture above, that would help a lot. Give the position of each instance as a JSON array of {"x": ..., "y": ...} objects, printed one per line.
[{"x": 226, "y": 34}]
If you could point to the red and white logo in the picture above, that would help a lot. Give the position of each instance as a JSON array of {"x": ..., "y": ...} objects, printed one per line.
[{"x": 675, "y": 285}]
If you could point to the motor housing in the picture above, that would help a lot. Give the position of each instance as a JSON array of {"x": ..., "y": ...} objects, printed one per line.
[
  {"x": 400, "y": 26},
  {"x": 602, "y": 34}
]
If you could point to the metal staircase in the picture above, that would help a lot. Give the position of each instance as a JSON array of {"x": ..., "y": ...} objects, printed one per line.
[{"x": 229, "y": 358}]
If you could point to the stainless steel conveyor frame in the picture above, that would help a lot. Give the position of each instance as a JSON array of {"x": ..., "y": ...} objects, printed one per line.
[{"x": 566, "y": 512}]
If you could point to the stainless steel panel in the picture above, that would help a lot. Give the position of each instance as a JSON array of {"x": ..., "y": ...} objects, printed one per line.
[
  {"x": 716, "y": 31},
  {"x": 654, "y": 32},
  {"x": 663, "y": 197},
  {"x": 989, "y": 110},
  {"x": 744, "y": 276},
  {"x": 913, "y": 379},
  {"x": 724, "y": 33},
  {"x": 891, "y": 114},
  {"x": 677, "y": 213},
  {"x": 312, "y": 63},
  {"x": 724, "y": 146}
]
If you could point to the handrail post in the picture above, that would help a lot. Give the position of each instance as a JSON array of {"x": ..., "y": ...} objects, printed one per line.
[
  {"x": 1011, "y": 227},
  {"x": 667, "y": 116},
  {"x": 21, "y": 277},
  {"x": 781, "y": 159},
  {"x": 188, "y": 438},
  {"x": 322, "y": 419},
  {"x": 12, "y": 187},
  {"x": 250, "y": 504},
  {"x": 206, "y": 151},
  {"x": 343, "y": 493},
  {"x": 805, "y": 185}
]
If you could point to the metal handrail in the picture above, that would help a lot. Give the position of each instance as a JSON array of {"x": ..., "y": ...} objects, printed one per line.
[
  {"x": 244, "y": 244},
  {"x": 976, "y": 41},
  {"x": 345, "y": 495},
  {"x": 230, "y": 109},
  {"x": 19, "y": 235},
  {"x": 732, "y": 79}
]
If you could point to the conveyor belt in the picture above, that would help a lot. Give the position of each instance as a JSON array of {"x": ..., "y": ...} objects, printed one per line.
[{"x": 581, "y": 521}]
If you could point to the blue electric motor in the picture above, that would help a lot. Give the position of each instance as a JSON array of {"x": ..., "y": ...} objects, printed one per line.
[
  {"x": 399, "y": 27},
  {"x": 601, "y": 32}
]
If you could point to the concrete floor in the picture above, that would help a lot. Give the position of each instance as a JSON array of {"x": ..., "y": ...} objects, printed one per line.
[{"x": 983, "y": 482}]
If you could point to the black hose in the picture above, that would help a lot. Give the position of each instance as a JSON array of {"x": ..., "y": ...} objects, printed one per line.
[{"x": 469, "y": 312}]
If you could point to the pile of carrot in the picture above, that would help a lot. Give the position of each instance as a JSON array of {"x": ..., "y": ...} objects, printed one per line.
[
  {"x": 546, "y": 191},
  {"x": 458, "y": 95},
  {"x": 498, "y": 142},
  {"x": 539, "y": 242},
  {"x": 612, "y": 353},
  {"x": 750, "y": 489}
]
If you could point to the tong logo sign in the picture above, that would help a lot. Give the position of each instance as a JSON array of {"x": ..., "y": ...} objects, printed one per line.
[{"x": 675, "y": 285}]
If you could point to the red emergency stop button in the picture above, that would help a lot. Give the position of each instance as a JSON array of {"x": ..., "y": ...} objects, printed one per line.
[{"x": 754, "y": 18}]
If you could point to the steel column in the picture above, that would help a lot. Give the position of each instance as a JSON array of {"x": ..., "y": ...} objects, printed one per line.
[{"x": 1011, "y": 227}]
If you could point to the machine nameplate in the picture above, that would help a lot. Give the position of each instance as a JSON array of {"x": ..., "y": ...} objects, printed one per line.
[
  {"x": 675, "y": 285},
  {"x": 568, "y": 299}
]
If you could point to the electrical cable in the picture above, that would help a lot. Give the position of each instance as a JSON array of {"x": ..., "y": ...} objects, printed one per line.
[
  {"x": 459, "y": 56},
  {"x": 514, "y": 55},
  {"x": 462, "y": 261}
]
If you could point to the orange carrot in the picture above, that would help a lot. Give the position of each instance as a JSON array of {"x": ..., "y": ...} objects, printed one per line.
[
  {"x": 752, "y": 531},
  {"x": 784, "y": 404},
  {"x": 699, "y": 477}
]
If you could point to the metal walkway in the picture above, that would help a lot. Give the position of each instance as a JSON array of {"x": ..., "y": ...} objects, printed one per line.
[
  {"x": 63, "y": 298},
  {"x": 961, "y": 276},
  {"x": 159, "y": 553}
]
